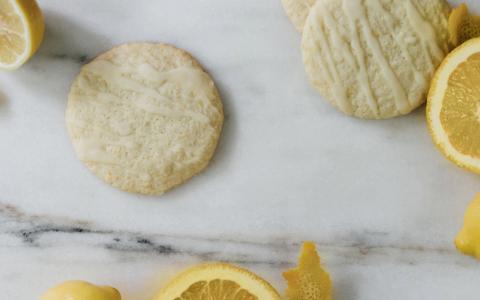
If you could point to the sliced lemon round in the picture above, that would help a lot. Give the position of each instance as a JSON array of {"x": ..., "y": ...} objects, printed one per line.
[
  {"x": 21, "y": 32},
  {"x": 218, "y": 281},
  {"x": 453, "y": 106}
]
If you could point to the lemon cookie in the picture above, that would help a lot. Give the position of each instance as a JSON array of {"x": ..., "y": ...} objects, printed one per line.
[
  {"x": 144, "y": 117},
  {"x": 297, "y": 11},
  {"x": 374, "y": 59}
]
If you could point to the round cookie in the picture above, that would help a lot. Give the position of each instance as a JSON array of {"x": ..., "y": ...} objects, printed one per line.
[
  {"x": 144, "y": 117},
  {"x": 297, "y": 11},
  {"x": 374, "y": 59}
]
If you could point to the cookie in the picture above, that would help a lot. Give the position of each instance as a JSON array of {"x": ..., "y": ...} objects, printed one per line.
[
  {"x": 297, "y": 11},
  {"x": 144, "y": 117},
  {"x": 374, "y": 59}
]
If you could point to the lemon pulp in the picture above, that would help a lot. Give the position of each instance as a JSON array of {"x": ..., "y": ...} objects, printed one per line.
[
  {"x": 453, "y": 106},
  {"x": 21, "y": 32},
  {"x": 216, "y": 289},
  {"x": 218, "y": 281},
  {"x": 460, "y": 114}
]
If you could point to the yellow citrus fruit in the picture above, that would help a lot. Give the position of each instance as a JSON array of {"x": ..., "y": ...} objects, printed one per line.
[
  {"x": 468, "y": 240},
  {"x": 218, "y": 281},
  {"x": 453, "y": 106},
  {"x": 462, "y": 26},
  {"x": 309, "y": 281},
  {"x": 21, "y": 32},
  {"x": 81, "y": 290}
]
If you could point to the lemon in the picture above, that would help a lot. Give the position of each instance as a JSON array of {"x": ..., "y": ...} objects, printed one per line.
[
  {"x": 81, "y": 290},
  {"x": 468, "y": 240},
  {"x": 218, "y": 281},
  {"x": 453, "y": 106},
  {"x": 21, "y": 32}
]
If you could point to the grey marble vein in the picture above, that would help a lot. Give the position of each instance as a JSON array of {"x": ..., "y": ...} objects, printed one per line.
[
  {"x": 77, "y": 58},
  {"x": 46, "y": 232}
]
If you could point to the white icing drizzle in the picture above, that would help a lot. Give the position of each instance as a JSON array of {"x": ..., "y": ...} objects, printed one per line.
[
  {"x": 183, "y": 82},
  {"x": 355, "y": 55},
  {"x": 355, "y": 10},
  {"x": 359, "y": 61},
  {"x": 420, "y": 79},
  {"x": 338, "y": 42},
  {"x": 93, "y": 150},
  {"x": 332, "y": 76},
  {"x": 151, "y": 100},
  {"x": 426, "y": 33}
]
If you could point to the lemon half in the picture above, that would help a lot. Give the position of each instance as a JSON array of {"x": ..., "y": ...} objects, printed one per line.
[
  {"x": 21, "y": 32},
  {"x": 218, "y": 281},
  {"x": 453, "y": 106}
]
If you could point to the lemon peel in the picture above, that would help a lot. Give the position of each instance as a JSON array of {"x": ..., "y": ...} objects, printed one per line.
[
  {"x": 462, "y": 26},
  {"x": 309, "y": 280}
]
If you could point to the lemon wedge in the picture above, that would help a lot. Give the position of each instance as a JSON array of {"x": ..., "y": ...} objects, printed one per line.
[
  {"x": 81, "y": 290},
  {"x": 21, "y": 32},
  {"x": 468, "y": 240},
  {"x": 453, "y": 106},
  {"x": 218, "y": 281},
  {"x": 309, "y": 281}
]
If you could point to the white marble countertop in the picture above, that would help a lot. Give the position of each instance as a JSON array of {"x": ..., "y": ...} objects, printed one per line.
[{"x": 380, "y": 201}]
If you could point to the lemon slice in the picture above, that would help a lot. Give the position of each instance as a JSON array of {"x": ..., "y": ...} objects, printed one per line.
[
  {"x": 218, "y": 281},
  {"x": 21, "y": 32},
  {"x": 453, "y": 108}
]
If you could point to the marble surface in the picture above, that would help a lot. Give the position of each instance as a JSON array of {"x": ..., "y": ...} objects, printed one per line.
[{"x": 380, "y": 201}]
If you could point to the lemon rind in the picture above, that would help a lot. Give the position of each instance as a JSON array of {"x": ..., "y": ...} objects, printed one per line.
[{"x": 457, "y": 16}]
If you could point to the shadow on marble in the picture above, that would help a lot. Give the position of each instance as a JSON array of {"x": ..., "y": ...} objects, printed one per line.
[
  {"x": 66, "y": 46},
  {"x": 3, "y": 104},
  {"x": 397, "y": 123},
  {"x": 70, "y": 41},
  {"x": 344, "y": 288},
  {"x": 227, "y": 139}
]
